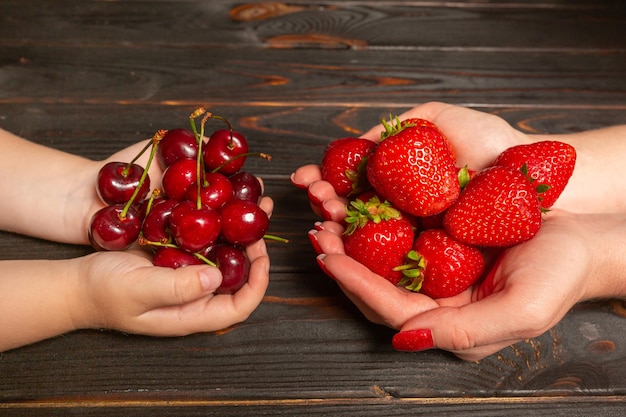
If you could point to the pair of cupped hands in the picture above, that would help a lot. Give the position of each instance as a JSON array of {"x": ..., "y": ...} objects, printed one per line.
[{"x": 527, "y": 290}]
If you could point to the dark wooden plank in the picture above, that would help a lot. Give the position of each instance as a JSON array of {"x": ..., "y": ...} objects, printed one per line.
[
  {"x": 304, "y": 78},
  {"x": 90, "y": 77},
  {"x": 306, "y": 341},
  {"x": 317, "y": 24}
]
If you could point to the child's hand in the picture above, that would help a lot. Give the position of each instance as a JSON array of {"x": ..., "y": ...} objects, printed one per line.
[{"x": 123, "y": 291}]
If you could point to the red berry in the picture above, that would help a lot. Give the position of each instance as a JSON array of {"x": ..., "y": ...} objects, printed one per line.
[
  {"x": 234, "y": 265},
  {"x": 378, "y": 236},
  {"x": 498, "y": 207},
  {"x": 243, "y": 222},
  {"x": 439, "y": 266},
  {"x": 216, "y": 190},
  {"x": 156, "y": 224},
  {"x": 178, "y": 177},
  {"x": 110, "y": 230},
  {"x": 117, "y": 182},
  {"x": 222, "y": 146},
  {"x": 548, "y": 163},
  {"x": 193, "y": 228},
  {"x": 343, "y": 165},
  {"x": 246, "y": 186},
  {"x": 174, "y": 258},
  {"x": 414, "y": 168},
  {"x": 177, "y": 144}
]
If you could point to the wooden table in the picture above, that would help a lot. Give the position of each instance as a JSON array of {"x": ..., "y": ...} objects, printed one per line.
[{"x": 91, "y": 77}]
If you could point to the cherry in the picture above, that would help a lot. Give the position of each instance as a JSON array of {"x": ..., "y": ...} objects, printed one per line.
[
  {"x": 117, "y": 181},
  {"x": 243, "y": 222},
  {"x": 224, "y": 145},
  {"x": 234, "y": 265},
  {"x": 174, "y": 258},
  {"x": 114, "y": 227},
  {"x": 194, "y": 227},
  {"x": 178, "y": 177},
  {"x": 216, "y": 190},
  {"x": 246, "y": 186},
  {"x": 177, "y": 144},
  {"x": 157, "y": 222}
]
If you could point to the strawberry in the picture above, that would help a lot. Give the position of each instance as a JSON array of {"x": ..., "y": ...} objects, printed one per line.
[
  {"x": 343, "y": 165},
  {"x": 378, "y": 237},
  {"x": 439, "y": 266},
  {"x": 549, "y": 162},
  {"x": 499, "y": 207},
  {"x": 414, "y": 168}
]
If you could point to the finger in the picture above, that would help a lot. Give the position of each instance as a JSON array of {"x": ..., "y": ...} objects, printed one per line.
[
  {"x": 306, "y": 175},
  {"x": 236, "y": 308},
  {"x": 267, "y": 205},
  {"x": 391, "y": 304},
  {"x": 175, "y": 287},
  {"x": 475, "y": 330},
  {"x": 330, "y": 226},
  {"x": 327, "y": 242}
]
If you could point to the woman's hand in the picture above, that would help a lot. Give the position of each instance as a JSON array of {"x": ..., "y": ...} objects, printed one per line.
[{"x": 528, "y": 290}]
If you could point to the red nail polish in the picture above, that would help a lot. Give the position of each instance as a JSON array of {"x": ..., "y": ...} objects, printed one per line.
[
  {"x": 413, "y": 340},
  {"x": 313, "y": 198},
  {"x": 314, "y": 242},
  {"x": 320, "y": 262}
]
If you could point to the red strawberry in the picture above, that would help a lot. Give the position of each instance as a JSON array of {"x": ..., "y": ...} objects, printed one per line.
[
  {"x": 414, "y": 168},
  {"x": 343, "y": 166},
  {"x": 378, "y": 237},
  {"x": 498, "y": 207},
  {"x": 439, "y": 266},
  {"x": 549, "y": 162}
]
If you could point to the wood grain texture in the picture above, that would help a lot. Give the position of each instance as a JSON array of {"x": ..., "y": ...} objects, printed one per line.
[{"x": 91, "y": 77}]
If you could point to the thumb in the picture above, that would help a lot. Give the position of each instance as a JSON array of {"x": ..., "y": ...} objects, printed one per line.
[
  {"x": 171, "y": 287},
  {"x": 474, "y": 330}
]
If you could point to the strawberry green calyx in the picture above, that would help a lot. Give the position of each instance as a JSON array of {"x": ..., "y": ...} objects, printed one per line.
[
  {"x": 359, "y": 213},
  {"x": 393, "y": 127},
  {"x": 412, "y": 271},
  {"x": 464, "y": 176}
]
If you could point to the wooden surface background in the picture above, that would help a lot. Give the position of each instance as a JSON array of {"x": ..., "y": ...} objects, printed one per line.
[{"x": 90, "y": 77}]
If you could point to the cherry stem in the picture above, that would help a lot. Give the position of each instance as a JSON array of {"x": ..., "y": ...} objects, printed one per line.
[
  {"x": 204, "y": 259},
  {"x": 153, "y": 142},
  {"x": 243, "y": 155},
  {"x": 200, "y": 172},
  {"x": 230, "y": 128},
  {"x": 143, "y": 241},
  {"x": 155, "y": 193},
  {"x": 275, "y": 238}
]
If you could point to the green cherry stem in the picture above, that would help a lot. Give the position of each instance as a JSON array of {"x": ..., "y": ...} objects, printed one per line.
[
  {"x": 143, "y": 241},
  {"x": 153, "y": 142},
  {"x": 275, "y": 238}
]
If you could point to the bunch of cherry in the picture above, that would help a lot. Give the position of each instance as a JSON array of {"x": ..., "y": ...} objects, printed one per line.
[{"x": 205, "y": 211}]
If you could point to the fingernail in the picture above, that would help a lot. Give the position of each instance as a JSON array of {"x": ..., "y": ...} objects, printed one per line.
[
  {"x": 325, "y": 212},
  {"x": 210, "y": 279},
  {"x": 314, "y": 242},
  {"x": 313, "y": 198},
  {"x": 413, "y": 340},
  {"x": 293, "y": 181},
  {"x": 318, "y": 226},
  {"x": 322, "y": 264}
]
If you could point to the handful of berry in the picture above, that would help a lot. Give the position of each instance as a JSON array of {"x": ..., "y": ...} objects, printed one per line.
[
  {"x": 204, "y": 211},
  {"x": 420, "y": 221}
]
